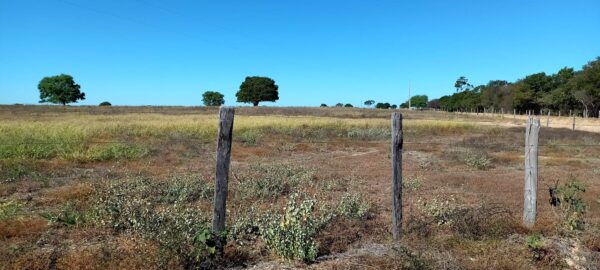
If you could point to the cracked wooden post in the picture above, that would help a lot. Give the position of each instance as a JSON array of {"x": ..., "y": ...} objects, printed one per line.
[
  {"x": 397, "y": 141},
  {"x": 532, "y": 132},
  {"x": 222, "y": 171}
]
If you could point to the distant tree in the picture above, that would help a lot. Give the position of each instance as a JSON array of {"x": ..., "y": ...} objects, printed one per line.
[
  {"x": 339, "y": 105},
  {"x": 60, "y": 89},
  {"x": 323, "y": 105},
  {"x": 212, "y": 98},
  {"x": 104, "y": 103},
  {"x": 434, "y": 103},
  {"x": 419, "y": 101},
  {"x": 369, "y": 103},
  {"x": 394, "y": 106},
  {"x": 382, "y": 105},
  {"x": 256, "y": 89},
  {"x": 348, "y": 105},
  {"x": 462, "y": 83}
]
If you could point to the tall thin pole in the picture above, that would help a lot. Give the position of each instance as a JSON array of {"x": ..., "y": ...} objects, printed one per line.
[
  {"x": 409, "y": 96},
  {"x": 397, "y": 140}
]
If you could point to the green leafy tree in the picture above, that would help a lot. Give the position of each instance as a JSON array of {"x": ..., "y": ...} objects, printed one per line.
[
  {"x": 381, "y": 105},
  {"x": 339, "y": 105},
  {"x": 60, "y": 89},
  {"x": 348, "y": 105},
  {"x": 323, "y": 105},
  {"x": 256, "y": 89},
  {"x": 369, "y": 103},
  {"x": 462, "y": 83},
  {"x": 212, "y": 98},
  {"x": 104, "y": 103},
  {"x": 419, "y": 101}
]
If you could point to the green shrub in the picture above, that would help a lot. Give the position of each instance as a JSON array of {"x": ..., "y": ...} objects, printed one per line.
[
  {"x": 68, "y": 215},
  {"x": 10, "y": 209},
  {"x": 535, "y": 244},
  {"x": 272, "y": 181},
  {"x": 569, "y": 199},
  {"x": 292, "y": 235},
  {"x": 477, "y": 161},
  {"x": 442, "y": 210},
  {"x": 412, "y": 184},
  {"x": 160, "y": 211},
  {"x": 113, "y": 151},
  {"x": 353, "y": 206},
  {"x": 104, "y": 104}
]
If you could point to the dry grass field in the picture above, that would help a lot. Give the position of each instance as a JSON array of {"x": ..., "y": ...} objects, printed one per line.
[{"x": 310, "y": 188}]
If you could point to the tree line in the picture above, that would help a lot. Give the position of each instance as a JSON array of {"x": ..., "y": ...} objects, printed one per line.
[{"x": 566, "y": 90}]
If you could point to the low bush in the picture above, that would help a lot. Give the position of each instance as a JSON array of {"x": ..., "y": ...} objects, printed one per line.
[
  {"x": 162, "y": 212},
  {"x": 442, "y": 210},
  {"x": 353, "y": 206},
  {"x": 291, "y": 235},
  {"x": 412, "y": 184},
  {"x": 10, "y": 209},
  {"x": 271, "y": 181},
  {"x": 477, "y": 160},
  {"x": 67, "y": 215},
  {"x": 569, "y": 199}
]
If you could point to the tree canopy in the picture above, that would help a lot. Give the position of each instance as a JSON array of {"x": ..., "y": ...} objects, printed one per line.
[
  {"x": 60, "y": 89},
  {"x": 369, "y": 102},
  {"x": 213, "y": 98},
  {"x": 567, "y": 89},
  {"x": 419, "y": 101},
  {"x": 256, "y": 89}
]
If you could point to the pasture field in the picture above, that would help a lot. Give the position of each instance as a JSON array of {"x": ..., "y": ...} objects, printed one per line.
[{"x": 310, "y": 188}]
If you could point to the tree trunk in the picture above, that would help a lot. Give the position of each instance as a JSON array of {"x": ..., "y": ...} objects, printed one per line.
[{"x": 255, "y": 103}]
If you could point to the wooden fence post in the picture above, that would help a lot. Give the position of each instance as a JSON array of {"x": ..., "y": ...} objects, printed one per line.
[
  {"x": 531, "y": 171},
  {"x": 397, "y": 141},
  {"x": 573, "y": 121},
  {"x": 548, "y": 119},
  {"x": 222, "y": 173}
]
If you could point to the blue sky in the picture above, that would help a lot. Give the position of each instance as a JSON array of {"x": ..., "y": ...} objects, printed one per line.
[{"x": 149, "y": 52}]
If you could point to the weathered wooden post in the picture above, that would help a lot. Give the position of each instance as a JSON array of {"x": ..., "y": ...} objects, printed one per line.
[
  {"x": 397, "y": 141},
  {"x": 573, "y": 121},
  {"x": 548, "y": 119},
  {"x": 514, "y": 113},
  {"x": 222, "y": 173},
  {"x": 531, "y": 171}
]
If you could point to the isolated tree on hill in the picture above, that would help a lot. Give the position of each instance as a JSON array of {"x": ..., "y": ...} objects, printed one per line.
[
  {"x": 60, "y": 89},
  {"x": 105, "y": 104},
  {"x": 339, "y": 105},
  {"x": 256, "y": 89},
  {"x": 369, "y": 103},
  {"x": 348, "y": 105},
  {"x": 323, "y": 105},
  {"x": 212, "y": 98}
]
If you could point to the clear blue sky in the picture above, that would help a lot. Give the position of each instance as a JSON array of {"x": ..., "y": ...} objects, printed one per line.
[{"x": 149, "y": 52}]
